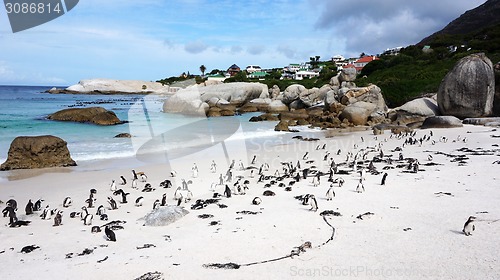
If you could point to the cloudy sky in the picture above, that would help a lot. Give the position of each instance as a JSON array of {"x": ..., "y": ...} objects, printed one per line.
[{"x": 153, "y": 39}]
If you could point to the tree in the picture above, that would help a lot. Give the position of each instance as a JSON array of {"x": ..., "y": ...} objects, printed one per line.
[{"x": 203, "y": 69}]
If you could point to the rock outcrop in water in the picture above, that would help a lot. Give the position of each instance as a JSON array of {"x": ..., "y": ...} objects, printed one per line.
[
  {"x": 95, "y": 115},
  {"x": 29, "y": 152},
  {"x": 468, "y": 90},
  {"x": 109, "y": 86}
]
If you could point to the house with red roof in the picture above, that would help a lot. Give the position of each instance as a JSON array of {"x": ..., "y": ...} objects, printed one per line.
[{"x": 360, "y": 63}]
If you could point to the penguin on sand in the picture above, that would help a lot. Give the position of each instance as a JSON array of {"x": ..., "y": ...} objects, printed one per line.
[
  {"x": 360, "y": 188},
  {"x": 313, "y": 203},
  {"x": 110, "y": 235},
  {"x": 330, "y": 194},
  {"x": 384, "y": 177},
  {"x": 469, "y": 226}
]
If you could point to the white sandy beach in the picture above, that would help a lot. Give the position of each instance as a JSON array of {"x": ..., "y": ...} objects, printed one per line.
[{"x": 413, "y": 233}]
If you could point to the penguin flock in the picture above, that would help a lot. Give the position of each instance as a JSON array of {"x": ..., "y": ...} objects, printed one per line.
[{"x": 317, "y": 178}]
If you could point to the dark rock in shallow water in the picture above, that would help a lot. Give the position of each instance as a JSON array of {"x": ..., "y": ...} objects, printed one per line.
[
  {"x": 123, "y": 135},
  {"x": 95, "y": 115},
  {"x": 29, "y": 152}
]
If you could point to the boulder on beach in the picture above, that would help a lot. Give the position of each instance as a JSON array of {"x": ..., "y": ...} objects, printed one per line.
[
  {"x": 95, "y": 115},
  {"x": 293, "y": 92},
  {"x": 468, "y": 90},
  {"x": 29, "y": 152},
  {"x": 482, "y": 121},
  {"x": 442, "y": 122},
  {"x": 358, "y": 112},
  {"x": 416, "y": 110},
  {"x": 282, "y": 126},
  {"x": 187, "y": 101},
  {"x": 164, "y": 216}
]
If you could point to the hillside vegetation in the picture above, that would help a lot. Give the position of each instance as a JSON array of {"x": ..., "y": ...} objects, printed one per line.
[{"x": 415, "y": 72}]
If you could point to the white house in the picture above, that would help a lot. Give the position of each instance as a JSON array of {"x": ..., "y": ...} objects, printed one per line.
[{"x": 300, "y": 75}]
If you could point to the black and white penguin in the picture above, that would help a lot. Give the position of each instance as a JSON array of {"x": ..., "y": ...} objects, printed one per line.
[
  {"x": 148, "y": 188},
  {"x": 45, "y": 213},
  {"x": 156, "y": 204},
  {"x": 139, "y": 201},
  {"x": 112, "y": 186},
  {"x": 166, "y": 184},
  {"x": 9, "y": 211},
  {"x": 384, "y": 177},
  {"x": 123, "y": 181},
  {"x": 173, "y": 173},
  {"x": 29, "y": 208},
  {"x": 305, "y": 199},
  {"x": 469, "y": 226},
  {"x": 305, "y": 156},
  {"x": 360, "y": 188},
  {"x": 134, "y": 184},
  {"x": 95, "y": 229},
  {"x": 123, "y": 195},
  {"x": 227, "y": 191},
  {"x": 177, "y": 193},
  {"x": 38, "y": 205},
  {"x": 110, "y": 235},
  {"x": 164, "y": 200},
  {"x": 256, "y": 200},
  {"x": 67, "y": 202},
  {"x": 58, "y": 218},
  {"x": 112, "y": 203},
  {"x": 87, "y": 220},
  {"x": 134, "y": 175},
  {"x": 330, "y": 193},
  {"x": 90, "y": 201},
  {"x": 254, "y": 159},
  {"x": 313, "y": 203},
  {"x": 100, "y": 210},
  {"x": 12, "y": 203},
  {"x": 143, "y": 177}
]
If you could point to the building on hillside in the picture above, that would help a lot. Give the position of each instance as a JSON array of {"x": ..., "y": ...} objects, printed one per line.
[
  {"x": 216, "y": 77},
  {"x": 361, "y": 62},
  {"x": 257, "y": 75},
  {"x": 305, "y": 74},
  {"x": 292, "y": 67},
  {"x": 233, "y": 70},
  {"x": 392, "y": 51},
  {"x": 253, "y": 68}
]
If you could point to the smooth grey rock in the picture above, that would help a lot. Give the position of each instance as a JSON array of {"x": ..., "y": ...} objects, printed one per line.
[{"x": 442, "y": 122}]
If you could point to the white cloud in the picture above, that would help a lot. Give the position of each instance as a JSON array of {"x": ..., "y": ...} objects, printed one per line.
[{"x": 195, "y": 47}]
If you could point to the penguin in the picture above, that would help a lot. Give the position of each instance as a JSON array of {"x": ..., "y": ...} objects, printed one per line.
[
  {"x": 87, "y": 220},
  {"x": 360, "y": 188},
  {"x": 100, "y": 210},
  {"x": 194, "y": 170},
  {"x": 305, "y": 156},
  {"x": 148, "y": 188},
  {"x": 173, "y": 173},
  {"x": 12, "y": 203},
  {"x": 227, "y": 191},
  {"x": 305, "y": 199},
  {"x": 143, "y": 177},
  {"x": 256, "y": 200},
  {"x": 45, "y": 213},
  {"x": 330, "y": 194},
  {"x": 38, "y": 205},
  {"x": 123, "y": 181},
  {"x": 167, "y": 184},
  {"x": 12, "y": 215},
  {"x": 113, "y": 186},
  {"x": 139, "y": 201},
  {"x": 95, "y": 229},
  {"x": 164, "y": 200},
  {"x": 103, "y": 217},
  {"x": 313, "y": 203},
  {"x": 429, "y": 158},
  {"x": 83, "y": 213},
  {"x": 316, "y": 180},
  {"x": 384, "y": 177},
  {"x": 58, "y": 218},
  {"x": 110, "y": 235},
  {"x": 213, "y": 167},
  {"x": 134, "y": 184},
  {"x": 469, "y": 226},
  {"x": 156, "y": 204},
  {"x": 134, "y": 175},
  {"x": 90, "y": 201},
  {"x": 254, "y": 159},
  {"x": 123, "y": 194},
  {"x": 29, "y": 208},
  {"x": 67, "y": 202},
  {"x": 112, "y": 203}
]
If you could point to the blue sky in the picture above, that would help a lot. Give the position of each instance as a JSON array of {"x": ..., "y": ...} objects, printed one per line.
[{"x": 153, "y": 39}]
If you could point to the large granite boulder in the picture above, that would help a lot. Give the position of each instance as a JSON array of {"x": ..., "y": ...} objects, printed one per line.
[
  {"x": 442, "y": 122},
  {"x": 496, "y": 102},
  {"x": 494, "y": 121},
  {"x": 312, "y": 96},
  {"x": 358, "y": 113},
  {"x": 164, "y": 215},
  {"x": 95, "y": 115},
  {"x": 413, "y": 111},
  {"x": 293, "y": 92},
  {"x": 187, "y": 101},
  {"x": 347, "y": 75},
  {"x": 468, "y": 89},
  {"x": 371, "y": 94},
  {"x": 28, "y": 152},
  {"x": 274, "y": 92},
  {"x": 276, "y": 106},
  {"x": 236, "y": 93}
]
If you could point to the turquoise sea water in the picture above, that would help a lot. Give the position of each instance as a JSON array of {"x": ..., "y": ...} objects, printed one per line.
[{"x": 23, "y": 112}]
